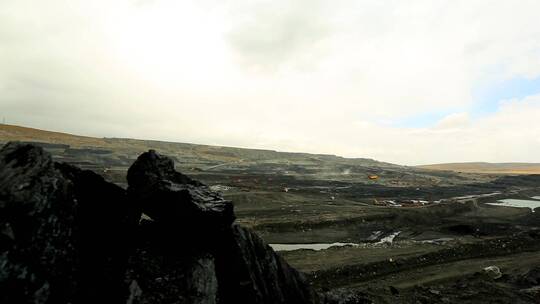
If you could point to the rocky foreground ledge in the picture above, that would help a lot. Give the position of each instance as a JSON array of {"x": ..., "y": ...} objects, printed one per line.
[{"x": 69, "y": 236}]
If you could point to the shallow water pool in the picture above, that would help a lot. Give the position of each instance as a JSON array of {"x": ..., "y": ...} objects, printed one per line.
[
  {"x": 518, "y": 203},
  {"x": 316, "y": 247}
]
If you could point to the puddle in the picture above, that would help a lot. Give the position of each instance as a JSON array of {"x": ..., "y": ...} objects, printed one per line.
[
  {"x": 518, "y": 203},
  {"x": 389, "y": 239},
  {"x": 316, "y": 247},
  {"x": 476, "y": 196}
]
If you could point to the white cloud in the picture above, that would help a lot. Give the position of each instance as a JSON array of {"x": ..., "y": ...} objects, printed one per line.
[
  {"x": 303, "y": 75},
  {"x": 510, "y": 134},
  {"x": 452, "y": 121}
]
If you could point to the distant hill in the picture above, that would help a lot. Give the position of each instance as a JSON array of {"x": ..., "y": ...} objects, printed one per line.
[
  {"x": 18, "y": 133},
  {"x": 481, "y": 167},
  {"x": 113, "y": 156},
  {"x": 209, "y": 155}
]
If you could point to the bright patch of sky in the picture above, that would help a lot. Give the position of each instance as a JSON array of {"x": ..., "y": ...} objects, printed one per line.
[{"x": 487, "y": 98}]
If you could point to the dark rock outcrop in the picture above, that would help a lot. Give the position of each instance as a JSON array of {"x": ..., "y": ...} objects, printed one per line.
[
  {"x": 64, "y": 231},
  {"x": 37, "y": 216},
  {"x": 249, "y": 271},
  {"x": 68, "y": 236},
  {"x": 105, "y": 222},
  {"x": 174, "y": 199},
  {"x": 192, "y": 229}
]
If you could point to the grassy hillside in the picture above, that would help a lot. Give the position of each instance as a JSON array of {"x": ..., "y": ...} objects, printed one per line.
[
  {"x": 480, "y": 167},
  {"x": 116, "y": 154}
]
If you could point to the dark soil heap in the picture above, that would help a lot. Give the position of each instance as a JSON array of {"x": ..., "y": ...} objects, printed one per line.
[{"x": 69, "y": 236}]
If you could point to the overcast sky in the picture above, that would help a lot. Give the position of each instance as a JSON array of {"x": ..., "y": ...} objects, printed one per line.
[{"x": 409, "y": 82}]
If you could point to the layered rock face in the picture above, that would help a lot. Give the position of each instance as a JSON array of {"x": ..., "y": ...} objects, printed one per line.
[{"x": 68, "y": 236}]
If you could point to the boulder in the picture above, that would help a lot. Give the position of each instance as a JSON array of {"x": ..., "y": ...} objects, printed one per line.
[
  {"x": 192, "y": 224},
  {"x": 105, "y": 222},
  {"x": 249, "y": 271},
  {"x": 167, "y": 274},
  {"x": 37, "y": 216},
  {"x": 493, "y": 272},
  {"x": 173, "y": 199},
  {"x": 64, "y": 235}
]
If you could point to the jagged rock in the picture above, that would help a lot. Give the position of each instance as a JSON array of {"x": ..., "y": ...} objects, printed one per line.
[
  {"x": 174, "y": 199},
  {"x": 191, "y": 221},
  {"x": 239, "y": 268},
  {"x": 167, "y": 275},
  {"x": 105, "y": 222},
  {"x": 63, "y": 231},
  {"x": 249, "y": 271},
  {"x": 37, "y": 209},
  {"x": 68, "y": 236}
]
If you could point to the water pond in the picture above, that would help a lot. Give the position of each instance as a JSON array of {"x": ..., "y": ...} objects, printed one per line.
[
  {"x": 518, "y": 203},
  {"x": 316, "y": 247},
  {"x": 388, "y": 239}
]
